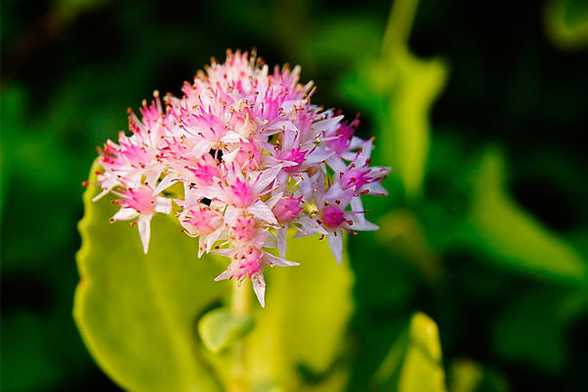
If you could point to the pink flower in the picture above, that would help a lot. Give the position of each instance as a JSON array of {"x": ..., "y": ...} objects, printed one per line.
[
  {"x": 288, "y": 208},
  {"x": 332, "y": 217},
  {"x": 252, "y": 157},
  {"x": 295, "y": 158},
  {"x": 244, "y": 228},
  {"x": 341, "y": 138},
  {"x": 248, "y": 262},
  {"x": 142, "y": 203}
]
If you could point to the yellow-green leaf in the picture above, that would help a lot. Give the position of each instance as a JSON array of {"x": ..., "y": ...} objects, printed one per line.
[
  {"x": 566, "y": 23},
  {"x": 511, "y": 237},
  {"x": 137, "y": 313},
  {"x": 406, "y": 140},
  {"x": 466, "y": 375},
  {"x": 422, "y": 369},
  {"x": 304, "y": 322},
  {"x": 414, "y": 362},
  {"x": 220, "y": 328},
  {"x": 399, "y": 90}
]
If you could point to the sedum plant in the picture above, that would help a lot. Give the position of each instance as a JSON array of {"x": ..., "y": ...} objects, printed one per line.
[
  {"x": 245, "y": 157},
  {"x": 245, "y": 163}
]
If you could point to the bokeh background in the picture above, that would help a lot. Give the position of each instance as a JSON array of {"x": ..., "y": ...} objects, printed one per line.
[{"x": 491, "y": 242}]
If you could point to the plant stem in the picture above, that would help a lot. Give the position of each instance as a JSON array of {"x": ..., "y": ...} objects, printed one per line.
[
  {"x": 240, "y": 306},
  {"x": 241, "y": 299},
  {"x": 399, "y": 25}
]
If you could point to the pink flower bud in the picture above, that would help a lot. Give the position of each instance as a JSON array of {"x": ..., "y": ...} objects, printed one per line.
[{"x": 288, "y": 208}]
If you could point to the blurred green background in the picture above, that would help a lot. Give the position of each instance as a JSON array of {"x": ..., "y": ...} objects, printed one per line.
[{"x": 480, "y": 108}]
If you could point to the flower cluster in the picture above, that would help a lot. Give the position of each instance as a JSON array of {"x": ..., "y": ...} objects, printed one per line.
[{"x": 244, "y": 157}]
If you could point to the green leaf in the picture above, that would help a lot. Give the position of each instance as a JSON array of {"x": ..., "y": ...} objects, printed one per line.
[
  {"x": 566, "y": 23},
  {"x": 359, "y": 32},
  {"x": 524, "y": 323},
  {"x": 406, "y": 87},
  {"x": 468, "y": 376},
  {"x": 511, "y": 237},
  {"x": 220, "y": 328},
  {"x": 28, "y": 363},
  {"x": 137, "y": 313},
  {"x": 414, "y": 362},
  {"x": 402, "y": 233},
  {"x": 66, "y": 11},
  {"x": 308, "y": 308}
]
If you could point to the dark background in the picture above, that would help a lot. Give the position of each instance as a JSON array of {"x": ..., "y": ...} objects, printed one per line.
[{"x": 69, "y": 73}]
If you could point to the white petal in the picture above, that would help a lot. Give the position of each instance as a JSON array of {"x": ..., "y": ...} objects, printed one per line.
[
  {"x": 318, "y": 155},
  {"x": 276, "y": 261},
  {"x": 363, "y": 225},
  {"x": 217, "y": 205},
  {"x": 201, "y": 246},
  {"x": 282, "y": 235},
  {"x": 365, "y": 153},
  {"x": 336, "y": 164},
  {"x": 223, "y": 252},
  {"x": 230, "y": 156},
  {"x": 259, "y": 287},
  {"x": 309, "y": 226},
  {"x": 226, "y": 274},
  {"x": 201, "y": 148},
  {"x": 328, "y": 124},
  {"x": 357, "y": 208},
  {"x": 375, "y": 188},
  {"x": 266, "y": 177},
  {"x": 290, "y": 133},
  {"x": 213, "y": 237},
  {"x": 144, "y": 226},
  {"x": 271, "y": 203},
  {"x": 151, "y": 177},
  {"x": 125, "y": 214},
  {"x": 285, "y": 163},
  {"x": 231, "y": 214},
  {"x": 101, "y": 194},
  {"x": 163, "y": 205},
  {"x": 306, "y": 186},
  {"x": 349, "y": 155},
  {"x": 355, "y": 143},
  {"x": 232, "y": 137},
  {"x": 188, "y": 229},
  {"x": 336, "y": 243},
  {"x": 211, "y": 192},
  {"x": 261, "y": 211},
  {"x": 167, "y": 181}
]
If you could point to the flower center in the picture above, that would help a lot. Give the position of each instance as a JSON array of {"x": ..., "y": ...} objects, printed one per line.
[
  {"x": 205, "y": 171},
  {"x": 355, "y": 178},
  {"x": 141, "y": 199},
  {"x": 204, "y": 220},
  {"x": 296, "y": 156},
  {"x": 249, "y": 262},
  {"x": 332, "y": 217},
  {"x": 342, "y": 139},
  {"x": 244, "y": 228},
  {"x": 240, "y": 194}
]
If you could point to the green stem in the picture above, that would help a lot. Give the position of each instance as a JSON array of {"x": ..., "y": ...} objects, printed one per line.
[
  {"x": 399, "y": 25},
  {"x": 241, "y": 306}
]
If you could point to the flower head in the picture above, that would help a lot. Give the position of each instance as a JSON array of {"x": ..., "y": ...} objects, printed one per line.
[{"x": 254, "y": 158}]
